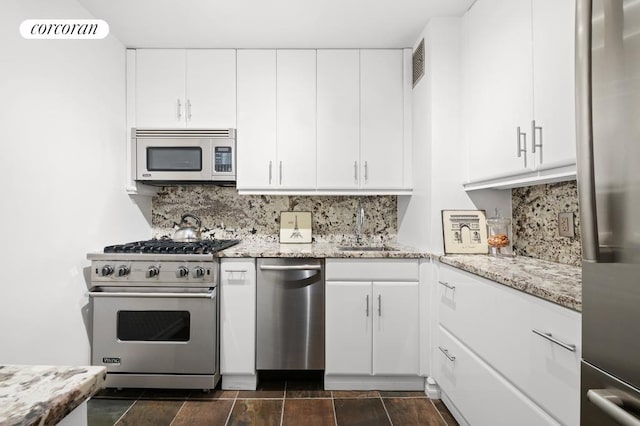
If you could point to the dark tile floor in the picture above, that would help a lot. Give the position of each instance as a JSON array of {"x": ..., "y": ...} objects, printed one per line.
[{"x": 277, "y": 401}]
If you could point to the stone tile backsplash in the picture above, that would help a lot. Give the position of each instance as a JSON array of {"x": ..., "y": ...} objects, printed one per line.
[
  {"x": 225, "y": 214},
  {"x": 535, "y": 222}
]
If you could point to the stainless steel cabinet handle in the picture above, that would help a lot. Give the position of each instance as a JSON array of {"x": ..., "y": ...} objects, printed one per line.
[
  {"x": 366, "y": 172},
  {"x": 535, "y": 144},
  {"x": 611, "y": 404},
  {"x": 367, "y": 308},
  {"x": 522, "y": 146},
  {"x": 291, "y": 267},
  {"x": 550, "y": 337},
  {"x": 188, "y": 109},
  {"x": 270, "y": 172},
  {"x": 236, "y": 270},
  {"x": 179, "y": 110},
  {"x": 379, "y": 305},
  {"x": 447, "y": 285},
  {"x": 281, "y": 173},
  {"x": 446, "y": 353},
  {"x": 210, "y": 295},
  {"x": 355, "y": 172}
]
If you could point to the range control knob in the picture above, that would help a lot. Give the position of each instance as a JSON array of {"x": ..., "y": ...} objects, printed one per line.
[
  {"x": 198, "y": 272},
  {"x": 106, "y": 270},
  {"x": 153, "y": 271},
  {"x": 122, "y": 270},
  {"x": 182, "y": 272}
]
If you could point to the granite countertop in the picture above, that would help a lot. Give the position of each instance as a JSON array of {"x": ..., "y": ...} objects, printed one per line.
[
  {"x": 554, "y": 282},
  {"x": 44, "y": 395},
  {"x": 317, "y": 250}
]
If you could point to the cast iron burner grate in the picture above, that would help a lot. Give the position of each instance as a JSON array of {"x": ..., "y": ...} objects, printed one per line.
[{"x": 172, "y": 247}]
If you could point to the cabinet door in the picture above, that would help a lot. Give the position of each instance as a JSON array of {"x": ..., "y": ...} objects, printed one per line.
[
  {"x": 396, "y": 337},
  {"x": 348, "y": 328},
  {"x": 237, "y": 316},
  {"x": 381, "y": 115},
  {"x": 497, "y": 86},
  {"x": 256, "y": 138},
  {"x": 553, "y": 82},
  {"x": 160, "y": 88},
  {"x": 211, "y": 88},
  {"x": 338, "y": 118},
  {"x": 296, "y": 118}
]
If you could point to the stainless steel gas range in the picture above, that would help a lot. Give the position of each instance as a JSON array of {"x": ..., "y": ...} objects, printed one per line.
[{"x": 154, "y": 315}]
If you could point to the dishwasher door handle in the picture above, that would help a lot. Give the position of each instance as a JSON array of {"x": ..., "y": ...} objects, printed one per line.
[{"x": 290, "y": 267}]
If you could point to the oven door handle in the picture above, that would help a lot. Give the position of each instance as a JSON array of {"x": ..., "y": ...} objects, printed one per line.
[{"x": 210, "y": 295}]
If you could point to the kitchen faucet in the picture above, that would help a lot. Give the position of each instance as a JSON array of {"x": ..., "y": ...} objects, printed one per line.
[{"x": 359, "y": 221}]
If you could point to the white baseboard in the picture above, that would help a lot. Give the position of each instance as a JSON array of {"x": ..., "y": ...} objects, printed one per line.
[
  {"x": 431, "y": 388},
  {"x": 239, "y": 381}
]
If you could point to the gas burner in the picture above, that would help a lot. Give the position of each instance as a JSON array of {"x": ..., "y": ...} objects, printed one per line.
[{"x": 172, "y": 247}]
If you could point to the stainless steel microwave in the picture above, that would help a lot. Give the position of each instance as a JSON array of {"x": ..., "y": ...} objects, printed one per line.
[{"x": 184, "y": 155}]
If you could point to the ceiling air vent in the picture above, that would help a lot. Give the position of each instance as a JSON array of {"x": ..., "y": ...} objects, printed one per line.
[{"x": 418, "y": 63}]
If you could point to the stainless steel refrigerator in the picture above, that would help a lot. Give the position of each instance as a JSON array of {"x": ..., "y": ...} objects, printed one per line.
[{"x": 608, "y": 120}]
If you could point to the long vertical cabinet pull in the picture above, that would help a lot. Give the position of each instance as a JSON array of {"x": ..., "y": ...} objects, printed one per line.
[
  {"x": 536, "y": 144},
  {"x": 270, "y": 171},
  {"x": 179, "y": 110},
  {"x": 355, "y": 172},
  {"x": 367, "y": 305},
  {"x": 379, "y": 305},
  {"x": 366, "y": 172},
  {"x": 522, "y": 147},
  {"x": 280, "y": 172},
  {"x": 188, "y": 110}
]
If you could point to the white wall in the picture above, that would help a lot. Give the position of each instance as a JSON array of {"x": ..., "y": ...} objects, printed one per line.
[
  {"x": 62, "y": 130},
  {"x": 439, "y": 143}
]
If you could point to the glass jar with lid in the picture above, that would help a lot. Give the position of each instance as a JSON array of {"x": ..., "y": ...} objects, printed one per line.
[{"x": 499, "y": 235}]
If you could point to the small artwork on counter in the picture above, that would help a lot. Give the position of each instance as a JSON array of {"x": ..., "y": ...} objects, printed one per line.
[
  {"x": 295, "y": 227},
  {"x": 464, "y": 231}
]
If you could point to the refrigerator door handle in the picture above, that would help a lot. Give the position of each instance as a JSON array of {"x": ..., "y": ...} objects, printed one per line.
[
  {"x": 584, "y": 133},
  {"x": 611, "y": 403}
]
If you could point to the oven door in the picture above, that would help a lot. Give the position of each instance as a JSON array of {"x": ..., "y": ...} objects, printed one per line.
[
  {"x": 155, "y": 332},
  {"x": 171, "y": 159}
]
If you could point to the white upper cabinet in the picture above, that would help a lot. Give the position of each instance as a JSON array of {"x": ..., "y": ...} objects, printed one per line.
[
  {"x": 338, "y": 119},
  {"x": 296, "y": 118},
  {"x": 518, "y": 91},
  {"x": 554, "y": 82},
  {"x": 185, "y": 88},
  {"x": 160, "y": 87},
  {"x": 211, "y": 88},
  {"x": 381, "y": 118},
  {"x": 256, "y": 138}
]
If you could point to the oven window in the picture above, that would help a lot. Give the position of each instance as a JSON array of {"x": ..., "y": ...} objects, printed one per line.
[
  {"x": 154, "y": 326},
  {"x": 174, "y": 158}
]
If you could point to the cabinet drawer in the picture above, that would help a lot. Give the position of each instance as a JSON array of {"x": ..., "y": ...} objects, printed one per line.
[
  {"x": 372, "y": 269},
  {"x": 497, "y": 323},
  {"x": 481, "y": 395}
]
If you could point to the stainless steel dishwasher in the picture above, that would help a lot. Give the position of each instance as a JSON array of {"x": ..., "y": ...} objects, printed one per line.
[{"x": 290, "y": 314}]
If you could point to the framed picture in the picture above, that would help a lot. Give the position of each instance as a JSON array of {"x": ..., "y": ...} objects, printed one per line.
[
  {"x": 464, "y": 231},
  {"x": 295, "y": 227}
]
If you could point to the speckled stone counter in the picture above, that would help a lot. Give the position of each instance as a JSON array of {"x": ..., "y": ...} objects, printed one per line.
[
  {"x": 317, "y": 250},
  {"x": 44, "y": 395},
  {"x": 554, "y": 282}
]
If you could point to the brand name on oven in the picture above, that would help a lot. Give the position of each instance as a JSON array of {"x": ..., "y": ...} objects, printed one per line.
[{"x": 111, "y": 361}]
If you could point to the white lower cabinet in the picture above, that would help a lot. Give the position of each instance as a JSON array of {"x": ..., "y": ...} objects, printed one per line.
[
  {"x": 372, "y": 324},
  {"x": 496, "y": 325},
  {"x": 238, "y": 323}
]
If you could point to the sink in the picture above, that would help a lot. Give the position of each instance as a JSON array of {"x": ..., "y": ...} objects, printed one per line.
[{"x": 367, "y": 248}]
